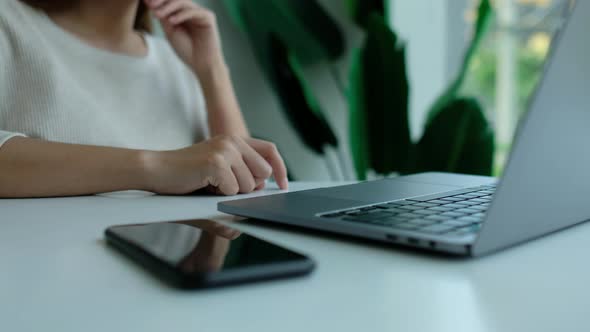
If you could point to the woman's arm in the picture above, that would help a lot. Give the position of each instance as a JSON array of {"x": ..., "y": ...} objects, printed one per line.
[
  {"x": 230, "y": 164},
  {"x": 223, "y": 110},
  {"x": 35, "y": 168},
  {"x": 193, "y": 33}
]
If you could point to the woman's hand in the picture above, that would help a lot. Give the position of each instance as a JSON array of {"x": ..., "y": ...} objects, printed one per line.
[
  {"x": 227, "y": 164},
  {"x": 192, "y": 31}
]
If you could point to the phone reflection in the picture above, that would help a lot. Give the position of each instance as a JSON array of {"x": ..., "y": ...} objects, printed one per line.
[{"x": 211, "y": 250}]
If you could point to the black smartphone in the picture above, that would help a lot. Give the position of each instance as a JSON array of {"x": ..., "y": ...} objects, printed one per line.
[{"x": 197, "y": 254}]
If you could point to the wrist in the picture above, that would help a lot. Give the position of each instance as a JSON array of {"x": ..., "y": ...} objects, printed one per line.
[
  {"x": 212, "y": 70},
  {"x": 148, "y": 166}
]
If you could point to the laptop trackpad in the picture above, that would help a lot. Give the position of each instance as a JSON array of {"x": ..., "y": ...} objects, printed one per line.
[{"x": 380, "y": 191}]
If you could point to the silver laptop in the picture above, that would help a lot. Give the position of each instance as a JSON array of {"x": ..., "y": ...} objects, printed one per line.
[{"x": 545, "y": 186}]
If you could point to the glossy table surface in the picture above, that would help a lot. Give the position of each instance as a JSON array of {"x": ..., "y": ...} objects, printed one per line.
[{"x": 58, "y": 275}]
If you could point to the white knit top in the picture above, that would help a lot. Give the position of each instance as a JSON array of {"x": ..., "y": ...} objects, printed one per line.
[{"x": 55, "y": 87}]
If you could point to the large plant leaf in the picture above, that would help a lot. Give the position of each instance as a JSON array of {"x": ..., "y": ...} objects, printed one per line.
[
  {"x": 379, "y": 102},
  {"x": 359, "y": 142},
  {"x": 303, "y": 25},
  {"x": 282, "y": 68},
  {"x": 484, "y": 17},
  {"x": 361, "y": 10},
  {"x": 235, "y": 9},
  {"x": 320, "y": 26},
  {"x": 299, "y": 103},
  {"x": 459, "y": 139}
]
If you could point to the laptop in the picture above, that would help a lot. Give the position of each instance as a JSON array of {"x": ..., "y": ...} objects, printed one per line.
[{"x": 545, "y": 186}]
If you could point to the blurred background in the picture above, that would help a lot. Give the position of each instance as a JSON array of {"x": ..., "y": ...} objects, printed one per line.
[{"x": 434, "y": 36}]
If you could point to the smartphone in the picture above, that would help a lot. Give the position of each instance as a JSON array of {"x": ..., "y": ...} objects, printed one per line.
[{"x": 198, "y": 254}]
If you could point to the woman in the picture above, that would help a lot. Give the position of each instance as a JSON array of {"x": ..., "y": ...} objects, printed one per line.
[{"x": 91, "y": 103}]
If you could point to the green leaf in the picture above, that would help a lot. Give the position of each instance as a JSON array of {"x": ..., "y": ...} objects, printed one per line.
[
  {"x": 235, "y": 9},
  {"x": 484, "y": 17},
  {"x": 303, "y": 25},
  {"x": 283, "y": 70},
  {"x": 379, "y": 103},
  {"x": 361, "y": 10},
  {"x": 359, "y": 142},
  {"x": 459, "y": 139},
  {"x": 298, "y": 101}
]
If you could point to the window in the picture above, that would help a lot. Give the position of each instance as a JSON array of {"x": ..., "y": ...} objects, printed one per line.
[{"x": 509, "y": 64}]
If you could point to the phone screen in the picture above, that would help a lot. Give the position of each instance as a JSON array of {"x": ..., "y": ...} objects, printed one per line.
[{"x": 203, "y": 252}]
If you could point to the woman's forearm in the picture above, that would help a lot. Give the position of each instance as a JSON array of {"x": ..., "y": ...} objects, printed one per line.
[
  {"x": 36, "y": 168},
  {"x": 225, "y": 116},
  {"x": 226, "y": 164}
]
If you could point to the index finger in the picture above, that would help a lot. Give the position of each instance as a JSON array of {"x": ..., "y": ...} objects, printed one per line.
[{"x": 270, "y": 152}]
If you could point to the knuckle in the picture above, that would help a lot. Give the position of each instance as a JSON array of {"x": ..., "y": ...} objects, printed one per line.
[
  {"x": 216, "y": 160},
  {"x": 225, "y": 143},
  {"x": 236, "y": 138}
]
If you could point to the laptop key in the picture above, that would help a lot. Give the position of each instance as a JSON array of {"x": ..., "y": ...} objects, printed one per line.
[
  {"x": 441, "y": 209},
  {"x": 426, "y": 205},
  {"x": 462, "y": 197},
  {"x": 452, "y": 199},
  {"x": 409, "y": 215},
  {"x": 396, "y": 210},
  {"x": 410, "y": 207},
  {"x": 474, "y": 195},
  {"x": 467, "y": 211},
  {"x": 453, "y": 214},
  {"x": 467, "y": 203},
  {"x": 438, "y": 218},
  {"x": 438, "y": 202},
  {"x": 426, "y": 212},
  {"x": 454, "y": 206},
  {"x": 481, "y": 200}
]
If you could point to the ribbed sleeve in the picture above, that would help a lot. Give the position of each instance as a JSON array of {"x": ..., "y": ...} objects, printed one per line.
[{"x": 4, "y": 63}]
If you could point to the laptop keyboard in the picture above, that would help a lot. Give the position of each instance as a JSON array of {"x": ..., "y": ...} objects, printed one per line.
[{"x": 456, "y": 213}]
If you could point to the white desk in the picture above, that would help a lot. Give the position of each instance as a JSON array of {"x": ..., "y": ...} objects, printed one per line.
[{"x": 58, "y": 275}]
